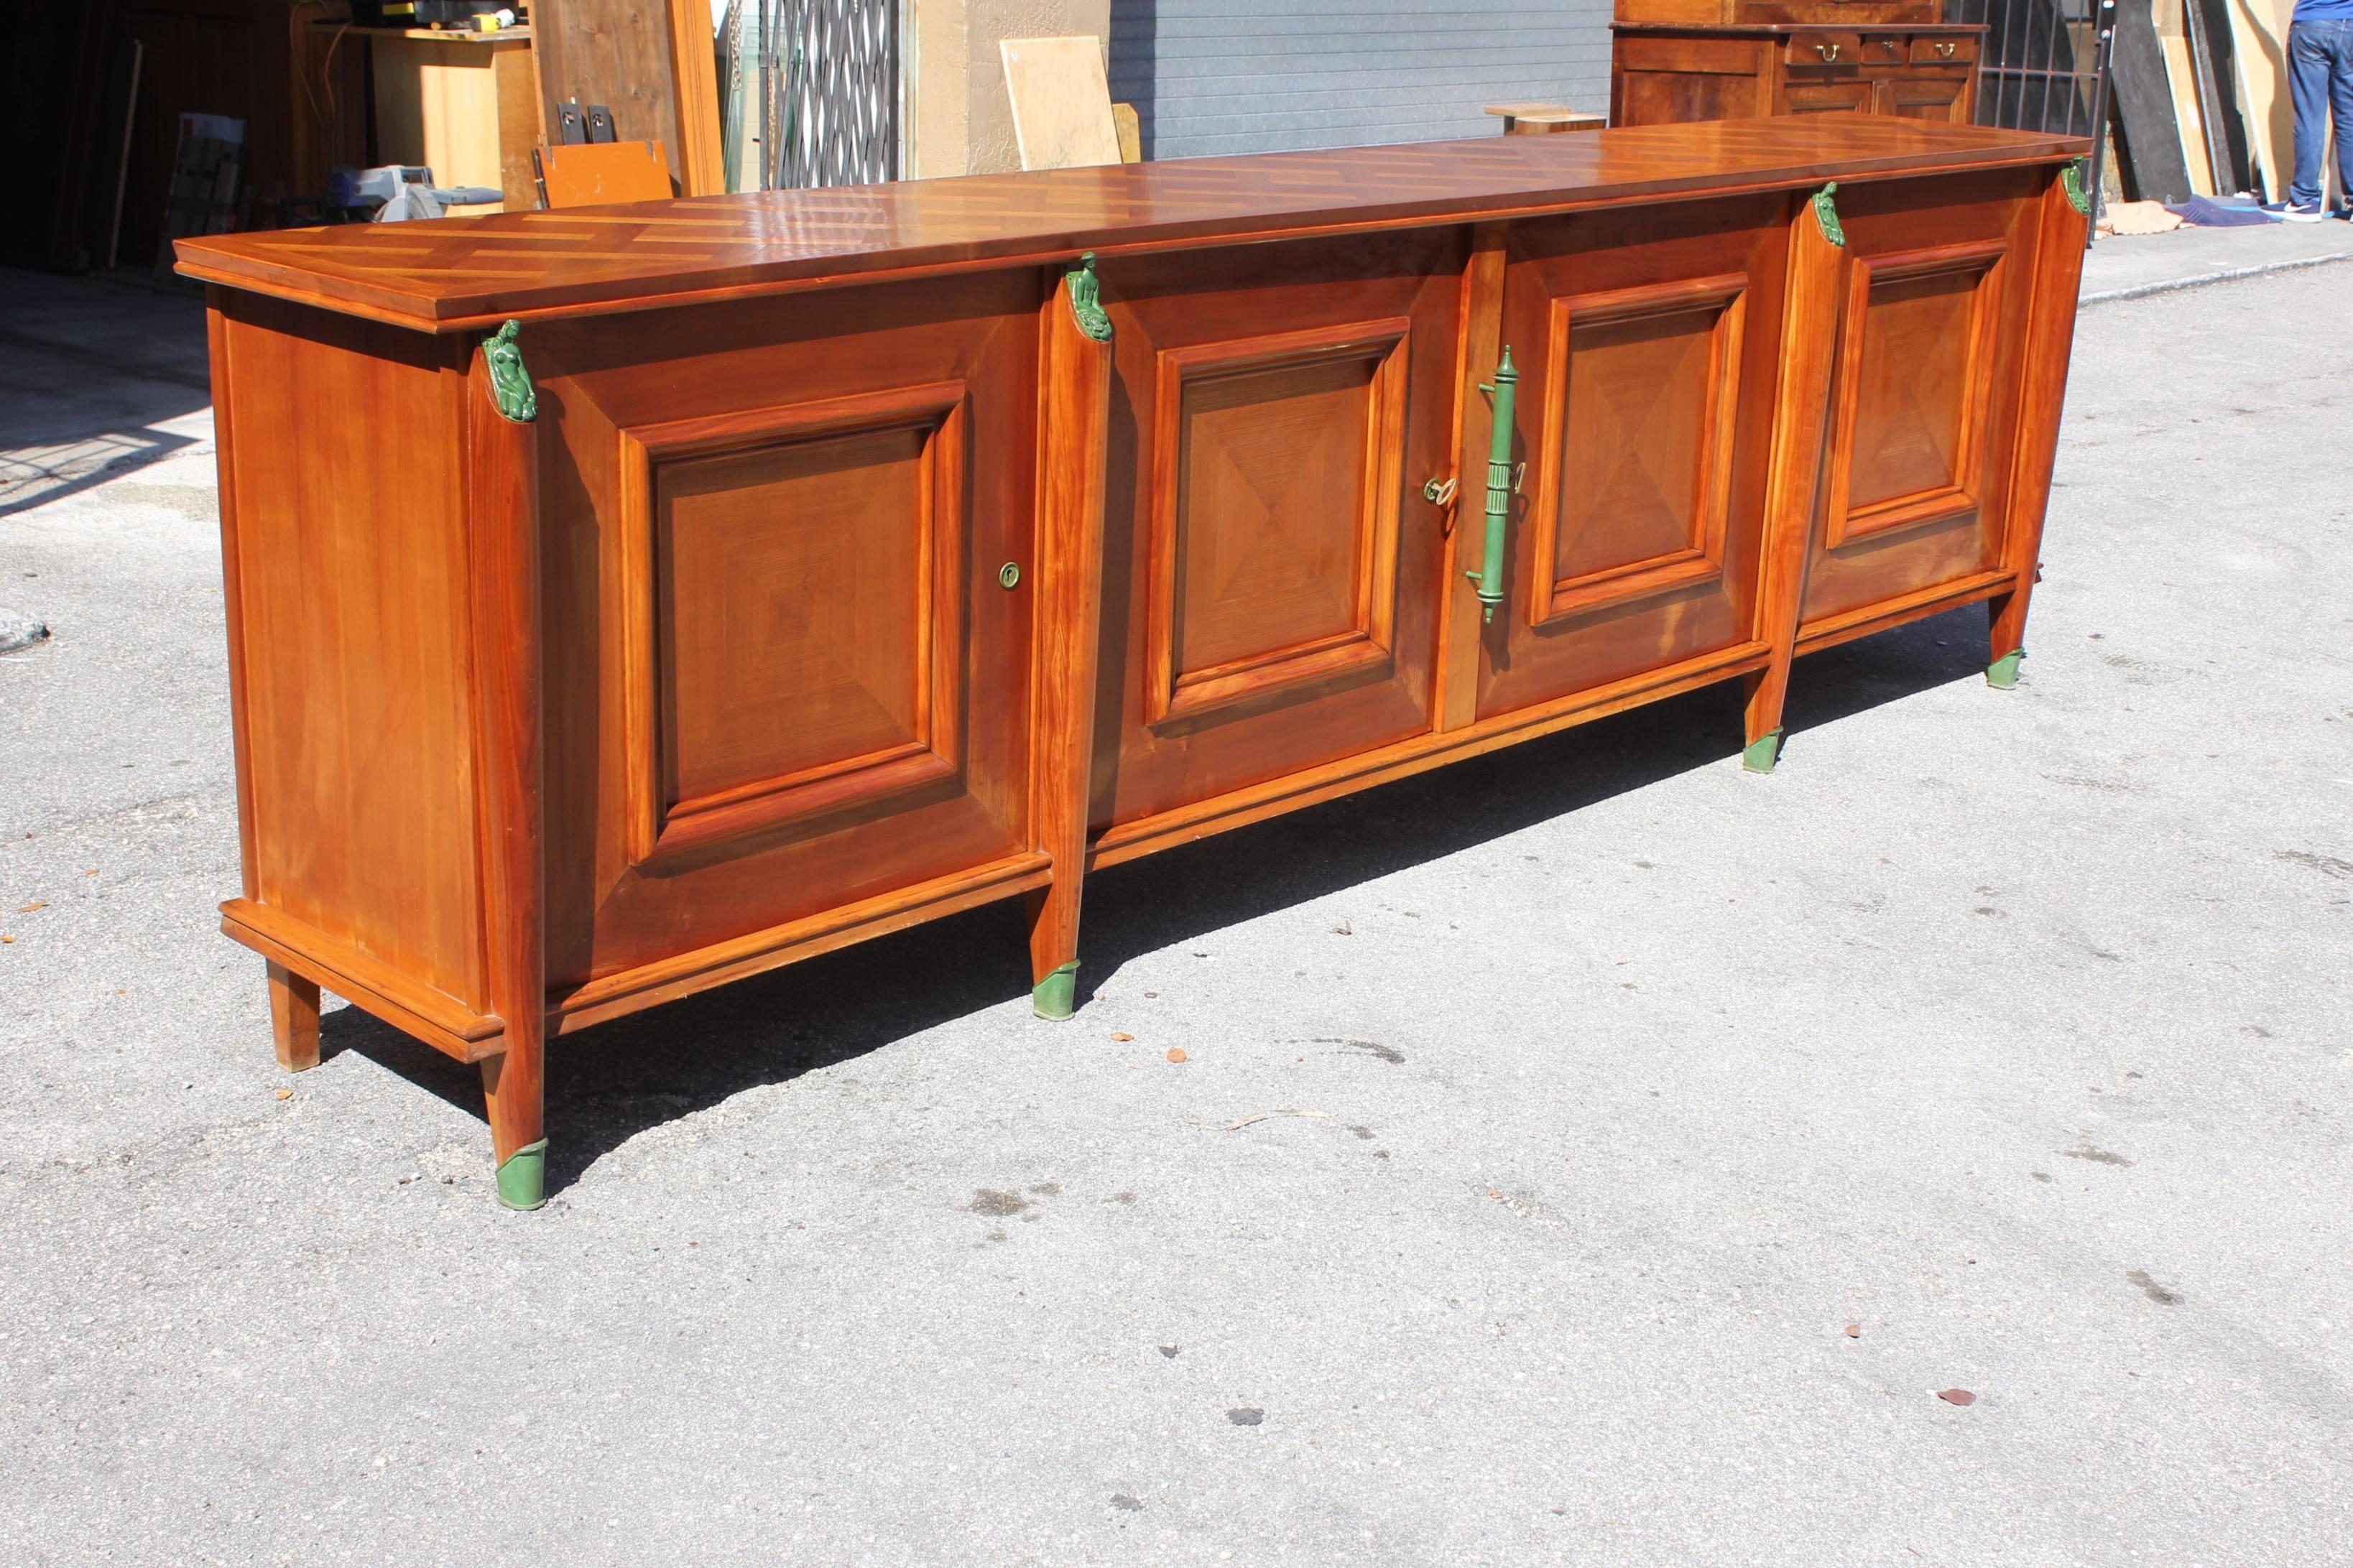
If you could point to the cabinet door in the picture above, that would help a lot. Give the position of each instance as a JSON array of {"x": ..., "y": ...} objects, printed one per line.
[
  {"x": 1925, "y": 95},
  {"x": 1923, "y": 403},
  {"x": 1270, "y": 564},
  {"x": 1646, "y": 344},
  {"x": 782, "y": 674}
]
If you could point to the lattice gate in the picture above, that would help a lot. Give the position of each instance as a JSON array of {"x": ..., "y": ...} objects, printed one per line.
[
  {"x": 2044, "y": 67},
  {"x": 811, "y": 92}
]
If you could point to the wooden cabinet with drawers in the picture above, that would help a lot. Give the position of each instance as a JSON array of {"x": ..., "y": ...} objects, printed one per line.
[
  {"x": 763, "y": 574},
  {"x": 1673, "y": 60}
]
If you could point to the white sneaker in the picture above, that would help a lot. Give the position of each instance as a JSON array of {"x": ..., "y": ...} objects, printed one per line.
[{"x": 2292, "y": 212}]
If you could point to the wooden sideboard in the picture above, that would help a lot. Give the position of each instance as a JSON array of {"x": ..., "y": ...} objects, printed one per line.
[
  {"x": 1674, "y": 60},
  {"x": 628, "y": 600}
]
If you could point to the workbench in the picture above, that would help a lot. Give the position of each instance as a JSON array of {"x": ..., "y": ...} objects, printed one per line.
[{"x": 625, "y": 601}]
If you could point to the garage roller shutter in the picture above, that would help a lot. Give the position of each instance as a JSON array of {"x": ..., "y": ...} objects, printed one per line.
[{"x": 1208, "y": 77}]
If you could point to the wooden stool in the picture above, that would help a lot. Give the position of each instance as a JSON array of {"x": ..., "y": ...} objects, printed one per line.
[{"x": 1543, "y": 119}]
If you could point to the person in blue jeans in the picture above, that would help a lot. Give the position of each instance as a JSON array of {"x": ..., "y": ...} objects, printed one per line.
[{"x": 2320, "y": 83}]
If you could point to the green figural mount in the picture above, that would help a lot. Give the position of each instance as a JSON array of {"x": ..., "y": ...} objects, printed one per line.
[
  {"x": 2002, "y": 673},
  {"x": 1826, "y": 215},
  {"x": 1056, "y": 996},
  {"x": 522, "y": 1177},
  {"x": 1490, "y": 576},
  {"x": 2071, "y": 180},
  {"x": 509, "y": 382},
  {"x": 1086, "y": 299}
]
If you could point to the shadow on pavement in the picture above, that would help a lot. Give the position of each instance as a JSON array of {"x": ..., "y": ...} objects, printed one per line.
[{"x": 608, "y": 1083}]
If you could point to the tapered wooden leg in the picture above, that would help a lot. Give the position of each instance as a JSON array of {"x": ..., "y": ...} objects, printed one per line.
[
  {"x": 293, "y": 1019},
  {"x": 2051, "y": 335},
  {"x": 1054, "y": 949},
  {"x": 2006, "y": 639},
  {"x": 512, "y": 1090},
  {"x": 1794, "y": 472},
  {"x": 1074, "y": 413},
  {"x": 503, "y": 503},
  {"x": 1767, "y": 689}
]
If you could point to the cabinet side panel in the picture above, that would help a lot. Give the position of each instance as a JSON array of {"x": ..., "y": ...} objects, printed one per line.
[{"x": 345, "y": 462}]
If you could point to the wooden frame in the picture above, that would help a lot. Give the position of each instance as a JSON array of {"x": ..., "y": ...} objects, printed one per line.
[
  {"x": 663, "y": 823},
  {"x": 1702, "y": 560},
  {"x": 1174, "y": 693}
]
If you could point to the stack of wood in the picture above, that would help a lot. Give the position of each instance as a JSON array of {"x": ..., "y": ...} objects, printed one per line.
[{"x": 2201, "y": 98}]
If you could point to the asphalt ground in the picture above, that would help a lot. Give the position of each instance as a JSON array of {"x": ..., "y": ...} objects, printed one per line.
[{"x": 1600, "y": 1087}]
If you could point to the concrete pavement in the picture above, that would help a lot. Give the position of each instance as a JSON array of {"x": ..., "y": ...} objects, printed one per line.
[{"x": 2010, "y": 1028}]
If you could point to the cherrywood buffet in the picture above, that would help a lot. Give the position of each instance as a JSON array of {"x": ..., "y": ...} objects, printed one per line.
[{"x": 625, "y": 601}]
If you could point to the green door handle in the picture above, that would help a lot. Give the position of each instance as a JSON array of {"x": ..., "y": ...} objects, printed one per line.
[{"x": 1500, "y": 485}]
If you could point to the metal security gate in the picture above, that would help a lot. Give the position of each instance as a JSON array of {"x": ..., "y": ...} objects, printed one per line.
[
  {"x": 2044, "y": 67},
  {"x": 809, "y": 92}
]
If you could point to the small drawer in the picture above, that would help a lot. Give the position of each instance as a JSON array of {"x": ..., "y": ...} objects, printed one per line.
[
  {"x": 1957, "y": 49},
  {"x": 1819, "y": 49},
  {"x": 1885, "y": 49}
]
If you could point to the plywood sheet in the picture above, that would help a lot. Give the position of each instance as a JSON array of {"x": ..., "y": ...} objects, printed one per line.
[
  {"x": 2180, "y": 75},
  {"x": 651, "y": 62},
  {"x": 2259, "y": 40},
  {"x": 1061, "y": 102}
]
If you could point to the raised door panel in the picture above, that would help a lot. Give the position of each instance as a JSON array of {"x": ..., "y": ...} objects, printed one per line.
[
  {"x": 784, "y": 673},
  {"x": 1635, "y": 444},
  {"x": 1645, "y": 344},
  {"x": 1914, "y": 378},
  {"x": 1274, "y": 539},
  {"x": 1270, "y": 565},
  {"x": 795, "y": 640},
  {"x": 1923, "y": 403}
]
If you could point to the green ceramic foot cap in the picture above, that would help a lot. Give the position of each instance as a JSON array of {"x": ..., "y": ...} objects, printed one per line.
[
  {"x": 1762, "y": 753},
  {"x": 2002, "y": 673},
  {"x": 1056, "y": 996},
  {"x": 522, "y": 1177}
]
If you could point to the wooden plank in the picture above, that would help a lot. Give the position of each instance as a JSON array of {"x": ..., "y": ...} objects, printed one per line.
[
  {"x": 694, "y": 90},
  {"x": 2258, "y": 48},
  {"x": 1061, "y": 102},
  {"x": 2151, "y": 134},
  {"x": 602, "y": 51},
  {"x": 2180, "y": 80},
  {"x": 2209, "y": 29}
]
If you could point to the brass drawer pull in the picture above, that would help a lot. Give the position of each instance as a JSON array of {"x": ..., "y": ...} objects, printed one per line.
[
  {"x": 1945, "y": 51},
  {"x": 1828, "y": 51}
]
